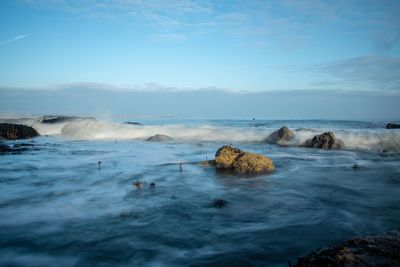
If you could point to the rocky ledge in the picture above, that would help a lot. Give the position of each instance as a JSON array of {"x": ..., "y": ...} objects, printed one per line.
[{"x": 377, "y": 250}]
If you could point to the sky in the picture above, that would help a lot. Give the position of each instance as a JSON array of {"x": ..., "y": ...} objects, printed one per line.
[{"x": 280, "y": 51}]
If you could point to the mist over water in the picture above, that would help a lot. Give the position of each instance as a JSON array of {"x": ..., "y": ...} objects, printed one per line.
[
  {"x": 58, "y": 208},
  {"x": 355, "y": 134}
]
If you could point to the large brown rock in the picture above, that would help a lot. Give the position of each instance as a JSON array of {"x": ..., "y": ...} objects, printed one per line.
[
  {"x": 326, "y": 140},
  {"x": 280, "y": 136},
  {"x": 16, "y": 131},
  {"x": 231, "y": 158},
  {"x": 226, "y": 156},
  {"x": 378, "y": 250}
]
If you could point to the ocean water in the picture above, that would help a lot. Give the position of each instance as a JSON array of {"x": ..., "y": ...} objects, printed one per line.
[{"x": 57, "y": 208}]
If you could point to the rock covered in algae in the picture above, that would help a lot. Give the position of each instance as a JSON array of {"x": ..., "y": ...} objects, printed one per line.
[{"x": 231, "y": 158}]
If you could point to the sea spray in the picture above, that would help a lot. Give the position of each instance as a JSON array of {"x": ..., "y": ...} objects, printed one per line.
[{"x": 361, "y": 135}]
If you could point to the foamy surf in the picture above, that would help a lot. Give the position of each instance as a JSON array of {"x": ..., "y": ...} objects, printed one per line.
[{"x": 76, "y": 128}]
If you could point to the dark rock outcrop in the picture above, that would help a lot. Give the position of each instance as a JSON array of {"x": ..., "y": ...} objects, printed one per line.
[
  {"x": 280, "y": 136},
  {"x": 52, "y": 119},
  {"x": 16, "y": 131},
  {"x": 392, "y": 126},
  {"x": 132, "y": 123},
  {"x": 326, "y": 140},
  {"x": 234, "y": 159},
  {"x": 159, "y": 138},
  {"x": 378, "y": 250}
]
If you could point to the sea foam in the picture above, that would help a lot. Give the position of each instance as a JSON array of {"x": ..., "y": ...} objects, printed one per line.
[{"x": 378, "y": 139}]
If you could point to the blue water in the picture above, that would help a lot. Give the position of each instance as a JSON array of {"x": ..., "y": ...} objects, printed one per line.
[{"x": 59, "y": 209}]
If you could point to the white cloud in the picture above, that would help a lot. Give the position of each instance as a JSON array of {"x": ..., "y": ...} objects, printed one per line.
[{"x": 16, "y": 38}]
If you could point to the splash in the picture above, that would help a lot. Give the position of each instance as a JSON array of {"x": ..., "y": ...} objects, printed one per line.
[{"x": 90, "y": 129}]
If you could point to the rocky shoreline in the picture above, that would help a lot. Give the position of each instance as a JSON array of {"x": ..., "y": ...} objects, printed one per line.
[{"x": 376, "y": 250}]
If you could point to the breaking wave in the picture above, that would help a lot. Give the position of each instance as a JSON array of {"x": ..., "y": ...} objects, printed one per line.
[{"x": 90, "y": 129}]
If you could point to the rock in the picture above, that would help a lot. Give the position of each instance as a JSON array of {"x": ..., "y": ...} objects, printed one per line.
[
  {"x": 52, "y": 119},
  {"x": 219, "y": 203},
  {"x": 16, "y": 131},
  {"x": 280, "y": 136},
  {"x": 392, "y": 126},
  {"x": 326, "y": 140},
  {"x": 226, "y": 156},
  {"x": 132, "y": 123},
  {"x": 356, "y": 167},
  {"x": 16, "y": 148},
  {"x": 159, "y": 138},
  {"x": 378, "y": 250},
  {"x": 22, "y": 145},
  {"x": 231, "y": 158},
  {"x": 5, "y": 148},
  {"x": 250, "y": 163}
]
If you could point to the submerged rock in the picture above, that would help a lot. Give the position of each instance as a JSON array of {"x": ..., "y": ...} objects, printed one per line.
[
  {"x": 207, "y": 163},
  {"x": 5, "y": 148},
  {"x": 378, "y": 250},
  {"x": 326, "y": 140},
  {"x": 16, "y": 148},
  {"x": 231, "y": 158},
  {"x": 16, "y": 131},
  {"x": 159, "y": 138},
  {"x": 219, "y": 203},
  {"x": 392, "y": 126},
  {"x": 280, "y": 136},
  {"x": 356, "y": 167}
]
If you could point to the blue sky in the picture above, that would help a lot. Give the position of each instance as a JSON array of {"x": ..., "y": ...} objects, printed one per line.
[{"x": 250, "y": 46}]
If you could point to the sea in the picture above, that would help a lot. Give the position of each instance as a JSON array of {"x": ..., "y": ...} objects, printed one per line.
[{"x": 93, "y": 192}]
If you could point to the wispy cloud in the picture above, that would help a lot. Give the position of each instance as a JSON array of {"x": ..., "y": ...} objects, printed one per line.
[
  {"x": 146, "y": 87},
  {"x": 16, "y": 38},
  {"x": 254, "y": 20},
  {"x": 374, "y": 72}
]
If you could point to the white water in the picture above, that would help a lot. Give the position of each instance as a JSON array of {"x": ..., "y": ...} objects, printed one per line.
[{"x": 376, "y": 139}]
